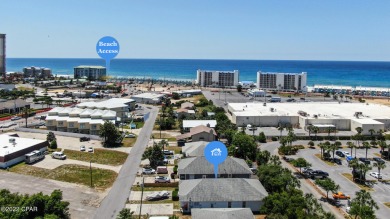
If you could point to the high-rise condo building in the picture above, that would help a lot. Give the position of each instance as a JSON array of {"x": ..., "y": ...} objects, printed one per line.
[
  {"x": 2, "y": 55},
  {"x": 206, "y": 78},
  {"x": 91, "y": 72},
  {"x": 282, "y": 81}
]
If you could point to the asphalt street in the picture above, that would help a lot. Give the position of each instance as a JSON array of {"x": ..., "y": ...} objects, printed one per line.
[{"x": 120, "y": 191}]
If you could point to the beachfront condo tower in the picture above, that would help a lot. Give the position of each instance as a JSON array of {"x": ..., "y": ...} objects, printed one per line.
[
  {"x": 282, "y": 81},
  {"x": 207, "y": 78},
  {"x": 90, "y": 72},
  {"x": 2, "y": 55}
]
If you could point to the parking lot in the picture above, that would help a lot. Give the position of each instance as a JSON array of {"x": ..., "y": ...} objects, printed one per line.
[{"x": 381, "y": 191}]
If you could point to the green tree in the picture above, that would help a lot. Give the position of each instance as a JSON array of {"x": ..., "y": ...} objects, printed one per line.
[
  {"x": 351, "y": 145},
  {"x": 50, "y": 137},
  {"x": 125, "y": 213},
  {"x": 333, "y": 148},
  {"x": 366, "y": 146},
  {"x": 261, "y": 138},
  {"x": 154, "y": 154},
  {"x": 380, "y": 166},
  {"x": 276, "y": 179},
  {"x": 246, "y": 146},
  {"x": 175, "y": 96},
  {"x": 280, "y": 128},
  {"x": 363, "y": 206},
  {"x": 262, "y": 157},
  {"x": 328, "y": 185},
  {"x": 301, "y": 162},
  {"x": 316, "y": 130},
  {"x": 239, "y": 88},
  {"x": 53, "y": 144},
  {"x": 109, "y": 133},
  {"x": 311, "y": 144}
]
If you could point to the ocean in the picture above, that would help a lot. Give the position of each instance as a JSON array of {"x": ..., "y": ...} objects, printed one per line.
[{"x": 353, "y": 73}]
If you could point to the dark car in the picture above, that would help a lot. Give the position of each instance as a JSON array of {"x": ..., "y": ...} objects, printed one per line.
[
  {"x": 291, "y": 100},
  {"x": 385, "y": 155},
  {"x": 84, "y": 139},
  {"x": 378, "y": 160},
  {"x": 365, "y": 160},
  {"x": 318, "y": 174},
  {"x": 340, "y": 154}
]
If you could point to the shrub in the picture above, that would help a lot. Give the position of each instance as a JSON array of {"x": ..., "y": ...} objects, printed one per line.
[
  {"x": 53, "y": 145},
  {"x": 274, "y": 138},
  {"x": 175, "y": 169},
  {"x": 175, "y": 195}
]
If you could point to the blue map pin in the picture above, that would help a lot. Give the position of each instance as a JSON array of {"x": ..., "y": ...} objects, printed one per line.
[
  {"x": 215, "y": 153},
  {"x": 107, "y": 48}
]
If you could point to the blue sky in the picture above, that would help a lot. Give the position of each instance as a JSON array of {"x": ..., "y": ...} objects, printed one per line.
[{"x": 202, "y": 29}]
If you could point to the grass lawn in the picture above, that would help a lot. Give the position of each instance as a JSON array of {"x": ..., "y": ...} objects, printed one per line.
[
  {"x": 350, "y": 177},
  {"x": 128, "y": 142},
  {"x": 101, "y": 178},
  {"x": 169, "y": 137},
  {"x": 139, "y": 124},
  {"x": 100, "y": 156},
  {"x": 327, "y": 162},
  {"x": 175, "y": 148},
  {"x": 387, "y": 204}
]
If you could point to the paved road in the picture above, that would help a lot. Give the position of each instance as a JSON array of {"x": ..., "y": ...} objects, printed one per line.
[
  {"x": 120, "y": 192},
  {"x": 305, "y": 187}
]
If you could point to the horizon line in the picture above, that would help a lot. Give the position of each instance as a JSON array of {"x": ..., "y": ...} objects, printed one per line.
[{"x": 215, "y": 59}]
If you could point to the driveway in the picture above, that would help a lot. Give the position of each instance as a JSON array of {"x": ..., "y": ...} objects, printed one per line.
[
  {"x": 83, "y": 200},
  {"x": 136, "y": 195},
  {"x": 152, "y": 209}
]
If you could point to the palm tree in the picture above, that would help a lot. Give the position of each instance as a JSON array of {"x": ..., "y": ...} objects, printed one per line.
[
  {"x": 380, "y": 166},
  {"x": 310, "y": 129},
  {"x": 359, "y": 130},
  {"x": 338, "y": 144},
  {"x": 371, "y": 131},
  {"x": 351, "y": 145},
  {"x": 373, "y": 144},
  {"x": 382, "y": 144},
  {"x": 316, "y": 130},
  {"x": 367, "y": 146},
  {"x": 333, "y": 148},
  {"x": 329, "y": 130},
  {"x": 322, "y": 147},
  {"x": 380, "y": 134},
  {"x": 280, "y": 128},
  {"x": 26, "y": 112}
]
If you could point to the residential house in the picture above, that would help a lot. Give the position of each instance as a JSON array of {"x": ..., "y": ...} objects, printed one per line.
[
  {"x": 221, "y": 193},
  {"x": 199, "y": 167},
  {"x": 194, "y": 149},
  {"x": 199, "y": 133},
  {"x": 222, "y": 213},
  {"x": 187, "y": 105},
  {"x": 183, "y": 113}
]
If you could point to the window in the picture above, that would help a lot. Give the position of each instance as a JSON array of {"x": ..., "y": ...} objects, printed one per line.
[
  {"x": 93, "y": 126},
  {"x": 229, "y": 204},
  {"x": 60, "y": 123},
  {"x": 82, "y": 126},
  {"x": 212, "y": 206},
  {"x": 71, "y": 125},
  {"x": 244, "y": 204}
]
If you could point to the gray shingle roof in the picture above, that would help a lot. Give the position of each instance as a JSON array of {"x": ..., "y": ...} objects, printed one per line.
[
  {"x": 221, "y": 213},
  {"x": 194, "y": 149},
  {"x": 221, "y": 189},
  {"x": 199, "y": 165}
]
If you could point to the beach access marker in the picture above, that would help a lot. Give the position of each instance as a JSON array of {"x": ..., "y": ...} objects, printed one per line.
[
  {"x": 107, "y": 48},
  {"x": 215, "y": 153}
]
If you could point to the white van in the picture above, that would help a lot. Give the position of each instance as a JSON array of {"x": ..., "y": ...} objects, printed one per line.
[{"x": 58, "y": 155}]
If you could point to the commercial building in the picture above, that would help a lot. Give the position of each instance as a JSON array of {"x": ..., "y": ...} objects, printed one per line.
[
  {"x": 2, "y": 55},
  {"x": 36, "y": 72},
  {"x": 206, "y": 78},
  {"x": 148, "y": 98},
  {"x": 282, "y": 81},
  {"x": 90, "y": 72},
  {"x": 351, "y": 90},
  {"x": 341, "y": 116},
  {"x": 13, "y": 106},
  {"x": 14, "y": 149},
  {"x": 221, "y": 193}
]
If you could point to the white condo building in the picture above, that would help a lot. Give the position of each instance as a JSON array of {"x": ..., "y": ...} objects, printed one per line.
[
  {"x": 206, "y": 78},
  {"x": 282, "y": 81}
]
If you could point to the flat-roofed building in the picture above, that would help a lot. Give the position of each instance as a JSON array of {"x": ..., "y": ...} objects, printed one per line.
[
  {"x": 91, "y": 72},
  {"x": 148, "y": 98},
  {"x": 13, "y": 149},
  {"x": 207, "y": 78},
  {"x": 342, "y": 116},
  {"x": 282, "y": 81}
]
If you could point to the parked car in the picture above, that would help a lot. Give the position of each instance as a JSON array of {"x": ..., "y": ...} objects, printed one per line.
[
  {"x": 58, "y": 155},
  {"x": 346, "y": 153},
  {"x": 130, "y": 136},
  {"x": 161, "y": 179},
  {"x": 15, "y": 118},
  {"x": 84, "y": 139},
  {"x": 365, "y": 160},
  {"x": 162, "y": 170},
  {"x": 378, "y": 160},
  {"x": 340, "y": 195},
  {"x": 82, "y": 148},
  {"x": 291, "y": 100},
  {"x": 318, "y": 174},
  {"x": 148, "y": 171},
  {"x": 254, "y": 170},
  {"x": 168, "y": 152},
  {"x": 340, "y": 154},
  {"x": 376, "y": 175},
  {"x": 158, "y": 196},
  {"x": 90, "y": 149}
]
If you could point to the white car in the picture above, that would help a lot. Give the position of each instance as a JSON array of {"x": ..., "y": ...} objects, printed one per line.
[
  {"x": 90, "y": 149},
  {"x": 15, "y": 118},
  {"x": 148, "y": 171},
  {"x": 376, "y": 175},
  {"x": 130, "y": 136},
  {"x": 161, "y": 179},
  {"x": 58, "y": 155},
  {"x": 346, "y": 153},
  {"x": 82, "y": 148}
]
